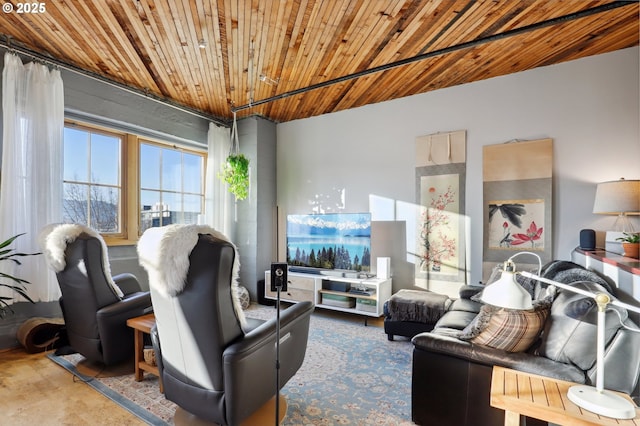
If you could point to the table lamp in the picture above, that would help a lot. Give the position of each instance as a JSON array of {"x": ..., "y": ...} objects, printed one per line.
[
  {"x": 595, "y": 399},
  {"x": 621, "y": 198},
  {"x": 506, "y": 291}
]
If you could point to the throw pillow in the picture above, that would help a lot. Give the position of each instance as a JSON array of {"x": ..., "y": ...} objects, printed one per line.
[
  {"x": 570, "y": 335},
  {"x": 506, "y": 329}
]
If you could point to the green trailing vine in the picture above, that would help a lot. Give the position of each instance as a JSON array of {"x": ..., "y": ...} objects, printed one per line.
[{"x": 235, "y": 173}]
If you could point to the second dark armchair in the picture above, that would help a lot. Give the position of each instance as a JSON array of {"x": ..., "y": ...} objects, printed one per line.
[
  {"x": 214, "y": 364},
  {"x": 95, "y": 305}
]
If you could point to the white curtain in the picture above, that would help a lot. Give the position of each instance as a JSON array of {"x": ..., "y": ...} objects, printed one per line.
[
  {"x": 31, "y": 174},
  {"x": 218, "y": 200}
]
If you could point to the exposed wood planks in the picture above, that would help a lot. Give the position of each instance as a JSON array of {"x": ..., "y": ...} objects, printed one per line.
[
  {"x": 153, "y": 46},
  {"x": 543, "y": 398}
]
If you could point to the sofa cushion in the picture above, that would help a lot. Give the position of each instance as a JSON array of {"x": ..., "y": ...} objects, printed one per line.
[
  {"x": 468, "y": 291},
  {"x": 522, "y": 361},
  {"x": 457, "y": 320},
  {"x": 465, "y": 305},
  {"x": 570, "y": 335},
  {"x": 506, "y": 329}
]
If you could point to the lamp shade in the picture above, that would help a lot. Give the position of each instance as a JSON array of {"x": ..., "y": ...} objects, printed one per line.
[
  {"x": 507, "y": 293},
  {"x": 618, "y": 197}
]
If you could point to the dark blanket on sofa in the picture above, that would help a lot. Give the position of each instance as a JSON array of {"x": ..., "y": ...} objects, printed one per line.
[
  {"x": 418, "y": 306},
  {"x": 563, "y": 271}
]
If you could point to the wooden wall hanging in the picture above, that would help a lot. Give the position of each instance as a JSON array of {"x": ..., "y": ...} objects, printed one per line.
[
  {"x": 517, "y": 189},
  {"x": 441, "y": 234}
]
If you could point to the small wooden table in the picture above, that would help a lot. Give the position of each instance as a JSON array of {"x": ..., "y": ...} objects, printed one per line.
[
  {"x": 142, "y": 325},
  {"x": 543, "y": 398}
]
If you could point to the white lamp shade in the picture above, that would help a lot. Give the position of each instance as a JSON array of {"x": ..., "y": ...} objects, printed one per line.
[
  {"x": 507, "y": 293},
  {"x": 616, "y": 197}
]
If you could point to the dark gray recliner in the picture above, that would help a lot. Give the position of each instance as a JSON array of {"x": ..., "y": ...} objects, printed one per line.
[
  {"x": 95, "y": 306},
  {"x": 213, "y": 364}
]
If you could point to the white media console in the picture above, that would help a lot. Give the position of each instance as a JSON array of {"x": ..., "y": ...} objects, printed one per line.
[{"x": 333, "y": 292}]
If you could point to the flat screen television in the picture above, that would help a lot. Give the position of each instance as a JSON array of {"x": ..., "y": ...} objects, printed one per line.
[{"x": 329, "y": 241}]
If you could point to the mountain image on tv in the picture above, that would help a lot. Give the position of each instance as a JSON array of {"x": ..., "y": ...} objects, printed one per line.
[{"x": 330, "y": 241}]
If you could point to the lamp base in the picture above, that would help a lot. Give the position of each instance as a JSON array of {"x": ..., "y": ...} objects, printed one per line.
[
  {"x": 611, "y": 242},
  {"x": 605, "y": 403}
]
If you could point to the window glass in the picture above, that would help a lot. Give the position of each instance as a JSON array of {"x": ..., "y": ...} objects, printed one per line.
[
  {"x": 104, "y": 209},
  {"x": 92, "y": 176},
  {"x": 149, "y": 166},
  {"x": 171, "y": 170},
  {"x": 76, "y": 152},
  {"x": 105, "y": 159},
  {"x": 193, "y": 173},
  {"x": 171, "y": 189},
  {"x": 192, "y": 208},
  {"x": 151, "y": 209}
]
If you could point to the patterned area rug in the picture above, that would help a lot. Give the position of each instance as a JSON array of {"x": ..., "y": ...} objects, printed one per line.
[{"x": 352, "y": 375}]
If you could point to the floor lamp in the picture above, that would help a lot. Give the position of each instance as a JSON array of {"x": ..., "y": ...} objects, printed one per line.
[{"x": 595, "y": 399}]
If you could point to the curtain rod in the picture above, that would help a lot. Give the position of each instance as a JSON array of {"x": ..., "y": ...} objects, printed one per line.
[
  {"x": 11, "y": 47},
  {"x": 450, "y": 49}
]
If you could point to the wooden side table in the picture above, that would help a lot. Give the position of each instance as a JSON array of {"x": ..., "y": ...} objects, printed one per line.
[
  {"x": 142, "y": 325},
  {"x": 543, "y": 398}
]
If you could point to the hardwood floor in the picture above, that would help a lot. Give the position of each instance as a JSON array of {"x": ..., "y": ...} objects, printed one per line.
[{"x": 36, "y": 391}]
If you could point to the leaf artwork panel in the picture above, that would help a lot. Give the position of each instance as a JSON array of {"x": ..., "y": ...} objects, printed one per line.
[
  {"x": 438, "y": 237},
  {"x": 516, "y": 224}
]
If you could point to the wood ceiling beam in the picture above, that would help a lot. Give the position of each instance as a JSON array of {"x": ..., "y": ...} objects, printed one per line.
[{"x": 446, "y": 50}]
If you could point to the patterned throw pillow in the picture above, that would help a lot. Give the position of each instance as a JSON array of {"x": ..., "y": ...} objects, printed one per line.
[{"x": 506, "y": 329}]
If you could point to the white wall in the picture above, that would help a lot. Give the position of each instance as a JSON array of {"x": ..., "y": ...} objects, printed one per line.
[{"x": 589, "y": 107}]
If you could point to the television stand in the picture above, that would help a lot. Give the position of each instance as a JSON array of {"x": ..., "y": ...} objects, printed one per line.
[{"x": 334, "y": 292}]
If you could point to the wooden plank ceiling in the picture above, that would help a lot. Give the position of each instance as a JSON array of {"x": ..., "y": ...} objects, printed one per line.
[{"x": 264, "y": 57}]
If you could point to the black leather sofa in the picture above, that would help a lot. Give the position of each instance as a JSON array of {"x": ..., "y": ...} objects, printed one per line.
[{"x": 451, "y": 377}]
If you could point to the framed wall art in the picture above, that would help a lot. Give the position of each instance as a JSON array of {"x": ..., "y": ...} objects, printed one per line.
[
  {"x": 517, "y": 190},
  {"x": 441, "y": 237}
]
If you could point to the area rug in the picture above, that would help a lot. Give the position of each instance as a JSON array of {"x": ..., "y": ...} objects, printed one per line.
[{"x": 352, "y": 375}]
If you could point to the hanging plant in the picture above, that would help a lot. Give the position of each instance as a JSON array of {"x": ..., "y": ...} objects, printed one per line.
[{"x": 235, "y": 171}]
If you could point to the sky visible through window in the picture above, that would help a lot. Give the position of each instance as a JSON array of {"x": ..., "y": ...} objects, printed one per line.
[
  {"x": 91, "y": 157},
  {"x": 92, "y": 179},
  {"x": 171, "y": 186}
]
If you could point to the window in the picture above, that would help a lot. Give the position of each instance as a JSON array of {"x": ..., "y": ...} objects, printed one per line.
[
  {"x": 171, "y": 186},
  {"x": 92, "y": 179},
  {"x": 121, "y": 185}
]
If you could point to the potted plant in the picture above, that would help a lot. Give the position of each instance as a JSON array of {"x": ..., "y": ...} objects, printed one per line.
[
  {"x": 9, "y": 281},
  {"x": 630, "y": 244},
  {"x": 236, "y": 173}
]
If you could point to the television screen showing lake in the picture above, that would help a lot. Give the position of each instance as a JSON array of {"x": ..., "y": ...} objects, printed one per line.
[{"x": 330, "y": 241}]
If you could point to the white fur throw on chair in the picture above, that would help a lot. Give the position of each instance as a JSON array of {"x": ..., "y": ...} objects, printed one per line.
[
  {"x": 164, "y": 253},
  {"x": 54, "y": 239}
]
